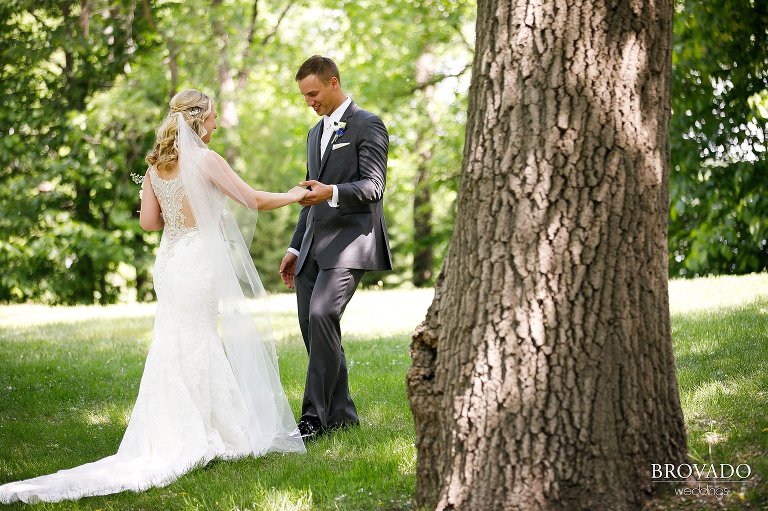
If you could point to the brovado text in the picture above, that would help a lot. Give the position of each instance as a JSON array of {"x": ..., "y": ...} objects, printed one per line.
[{"x": 712, "y": 472}]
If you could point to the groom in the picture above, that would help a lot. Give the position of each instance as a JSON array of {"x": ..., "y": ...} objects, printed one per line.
[{"x": 340, "y": 235}]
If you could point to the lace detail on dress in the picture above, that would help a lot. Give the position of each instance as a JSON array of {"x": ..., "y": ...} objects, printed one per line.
[{"x": 171, "y": 196}]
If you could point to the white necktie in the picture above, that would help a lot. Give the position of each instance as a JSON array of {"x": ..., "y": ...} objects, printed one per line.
[{"x": 327, "y": 132}]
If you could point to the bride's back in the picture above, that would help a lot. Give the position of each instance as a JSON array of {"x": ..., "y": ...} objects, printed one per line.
[{"x": 174, "y": 204}]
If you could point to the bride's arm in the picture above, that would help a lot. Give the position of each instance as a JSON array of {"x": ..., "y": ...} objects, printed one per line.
[
  {"x": 238, "y": 190},
  {"x": 150, "y": 217}
]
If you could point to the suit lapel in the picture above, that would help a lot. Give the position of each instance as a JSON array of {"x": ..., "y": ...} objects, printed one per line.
[
  {"x": 313, "y": 150},
  {"x": 351, "y": 109}
]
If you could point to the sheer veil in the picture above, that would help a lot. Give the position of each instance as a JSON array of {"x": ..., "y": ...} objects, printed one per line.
[
  {"x": 244, "y": 323},
  {"x": 173, "y": 425}
]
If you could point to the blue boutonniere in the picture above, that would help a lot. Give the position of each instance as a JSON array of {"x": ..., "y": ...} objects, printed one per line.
[{"x": 339, "y": 127}]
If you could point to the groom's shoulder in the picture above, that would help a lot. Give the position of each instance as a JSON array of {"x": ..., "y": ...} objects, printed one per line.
[{"x": 367, "y": 116}]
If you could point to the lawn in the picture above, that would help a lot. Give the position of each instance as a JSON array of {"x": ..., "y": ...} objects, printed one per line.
[{"x": 70, "y": 375}]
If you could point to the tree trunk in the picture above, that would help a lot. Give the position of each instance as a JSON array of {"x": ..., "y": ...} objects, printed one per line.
[
  {"x": 423, "y": 258},
  {"x": 84, "y": 21},
  {"x": 543, "y": 376},
  {"x": 170, "y": 44},
  {"x": 423, "y": 255}
]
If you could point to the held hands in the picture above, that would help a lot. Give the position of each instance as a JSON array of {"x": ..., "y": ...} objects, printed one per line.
[
  {"x": 308, "y": 193},
  {"x": 318, "y": 194},
  {"x": 297, "y": 193}
]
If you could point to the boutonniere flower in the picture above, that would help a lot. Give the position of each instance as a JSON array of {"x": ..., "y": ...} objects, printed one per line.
[{"x": 339, "y": 127}]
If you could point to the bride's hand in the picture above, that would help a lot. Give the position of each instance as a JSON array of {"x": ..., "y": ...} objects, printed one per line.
[{"x": 297, "y": 193}]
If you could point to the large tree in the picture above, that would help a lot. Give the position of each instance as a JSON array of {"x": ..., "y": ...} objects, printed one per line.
[{"x": 543, "y": 376}]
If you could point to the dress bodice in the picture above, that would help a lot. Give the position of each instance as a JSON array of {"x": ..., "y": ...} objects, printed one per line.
[{"x": 174, "y": 206}]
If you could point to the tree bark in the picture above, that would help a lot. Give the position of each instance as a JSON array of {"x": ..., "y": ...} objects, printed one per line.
[{"x": 543, "y": 375}]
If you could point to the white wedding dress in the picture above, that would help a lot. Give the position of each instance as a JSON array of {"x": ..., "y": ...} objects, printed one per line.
[{"x": 202, "y": 395}]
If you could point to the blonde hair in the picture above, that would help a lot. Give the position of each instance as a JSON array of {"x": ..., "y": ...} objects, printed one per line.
[{"x": 195, "y": 107}]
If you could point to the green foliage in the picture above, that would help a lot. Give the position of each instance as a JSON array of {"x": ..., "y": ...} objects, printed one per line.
[
  {"x": 84, "y": 105},
  {"x": 385, "y": 42},
  {"x": 84, "y": 100},
  {"x": 718, "y": 138},
  {"x": 64, "y": 172}
]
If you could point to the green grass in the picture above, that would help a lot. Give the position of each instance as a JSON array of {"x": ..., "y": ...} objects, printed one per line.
[
  {"x": 720, "y": 336},
  {"x": 69, "y": 376}
]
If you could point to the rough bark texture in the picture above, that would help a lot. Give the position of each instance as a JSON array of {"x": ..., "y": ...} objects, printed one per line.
[{"x": 543, "y": 375}]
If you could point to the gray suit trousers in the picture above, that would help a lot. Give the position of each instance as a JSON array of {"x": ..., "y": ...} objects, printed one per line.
[{"x": 322, "y": 296}]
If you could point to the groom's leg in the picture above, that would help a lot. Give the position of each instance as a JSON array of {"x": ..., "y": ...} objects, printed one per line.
[
  {"x": 327, "y": 388},
  {"x": 305, "y": 284},
  {"x": 343, "y": 410}
]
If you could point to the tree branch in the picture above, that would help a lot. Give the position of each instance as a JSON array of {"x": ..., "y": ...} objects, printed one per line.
[
  {"x": 84, "y": 21},
  {"x": 457, "y": 28},
  {"x": 277, "y": 25},
  {"x": 243, "y": 73},
  {"x": 251, "y": 29},
  {"x": 170, "y": 43},
  {"x": 437, "y": 79}
]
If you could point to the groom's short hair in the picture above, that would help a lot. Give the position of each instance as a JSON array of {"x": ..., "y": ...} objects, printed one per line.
[{"x": 322, "y": 67}]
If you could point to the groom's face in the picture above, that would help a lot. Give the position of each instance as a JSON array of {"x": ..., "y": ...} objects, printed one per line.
[{"x": 320, "y": 97}]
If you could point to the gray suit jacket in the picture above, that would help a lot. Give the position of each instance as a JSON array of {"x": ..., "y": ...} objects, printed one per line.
[{"x": 354, "y": 235}]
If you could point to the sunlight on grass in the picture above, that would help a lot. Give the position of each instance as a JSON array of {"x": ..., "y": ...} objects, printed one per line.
[
  {"x": 286, "y": 500},
  {"x": 396, "y": 311},
  {"x": 719, "y": 332},
  {"x": 70, "y": 377},
  {"x": 688, "y": 295},
  {"x": 107, "y": 414},
  {"x": 33, "y": 314}
]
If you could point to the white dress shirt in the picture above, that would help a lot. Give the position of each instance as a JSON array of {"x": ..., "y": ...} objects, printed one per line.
[{"x": 328, "y": 122}]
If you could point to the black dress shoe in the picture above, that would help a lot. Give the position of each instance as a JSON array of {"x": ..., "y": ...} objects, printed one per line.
[{"x": 309, "y": 430}]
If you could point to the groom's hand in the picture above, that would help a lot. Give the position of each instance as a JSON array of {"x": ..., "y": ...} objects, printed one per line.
[
  {"x": 318, "y": 194},
  {"x": 288, "y": 269}
]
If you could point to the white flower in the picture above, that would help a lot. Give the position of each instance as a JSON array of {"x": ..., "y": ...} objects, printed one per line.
[{"x": 339, "y": 128}]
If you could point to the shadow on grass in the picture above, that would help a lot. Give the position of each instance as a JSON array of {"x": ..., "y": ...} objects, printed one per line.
[{"x": 722, "y": 371}]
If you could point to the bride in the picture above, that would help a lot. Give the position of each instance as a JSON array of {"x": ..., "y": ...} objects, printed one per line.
[{"x": 211, "y": 387}]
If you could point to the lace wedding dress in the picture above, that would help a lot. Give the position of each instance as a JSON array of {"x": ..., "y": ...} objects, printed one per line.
[{"x": 202, "y": 395}]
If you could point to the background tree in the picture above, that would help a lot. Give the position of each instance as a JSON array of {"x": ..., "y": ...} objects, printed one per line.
[
  {"x": 418, "y": 83},
  {"x": 88, "y": 82},
  {"x": 718, "y": 134},
  {"x": 63, "y": 222},
  {"x": 543, "y": 375}
]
